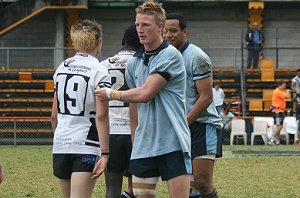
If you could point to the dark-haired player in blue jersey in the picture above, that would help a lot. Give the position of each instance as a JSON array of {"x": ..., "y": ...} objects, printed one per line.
[{"x": 204, "y": 122}]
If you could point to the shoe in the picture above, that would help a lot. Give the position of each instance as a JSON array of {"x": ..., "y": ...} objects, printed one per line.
[
  {"x": 277, "y": 142},
  {"x": 126, "y": 195},
  {"x": 271, "y": 142}
]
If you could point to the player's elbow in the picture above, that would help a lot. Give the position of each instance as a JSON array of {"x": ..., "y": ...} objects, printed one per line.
[{"x": 144, "y": 98}]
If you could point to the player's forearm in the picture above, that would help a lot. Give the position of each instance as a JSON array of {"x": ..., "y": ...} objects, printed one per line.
[
  {"x": 199, "y": 108},
  {"x": 103, "y": 133},
  {"x": 133, "y": 119},
  {"x": 102, "y": 124}
]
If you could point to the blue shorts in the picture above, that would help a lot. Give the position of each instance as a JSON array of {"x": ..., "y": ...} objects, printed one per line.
[
  {"x": 120, "y": 147},
  {"x": 65, "y": 164},
  {"x": 206, "y": 139},
  {"x": 168, "y": 166}
]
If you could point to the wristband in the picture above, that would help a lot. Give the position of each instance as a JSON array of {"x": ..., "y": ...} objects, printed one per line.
[{"x": 105, "y": 153}]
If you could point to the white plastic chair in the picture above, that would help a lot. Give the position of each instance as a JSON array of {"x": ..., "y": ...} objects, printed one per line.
[
  {"x": 283, "y": 132},
  {"x": 238, "y": 128},
  {"x": 260, "y": 128}
]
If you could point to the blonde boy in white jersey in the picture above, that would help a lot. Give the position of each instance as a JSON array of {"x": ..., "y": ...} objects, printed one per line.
[{"x": 79, "y": 121}]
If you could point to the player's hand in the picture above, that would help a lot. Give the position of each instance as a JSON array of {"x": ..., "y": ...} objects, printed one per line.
[
  {"x": 103, "y": 93},
  {"x": 100, "y": 167}
]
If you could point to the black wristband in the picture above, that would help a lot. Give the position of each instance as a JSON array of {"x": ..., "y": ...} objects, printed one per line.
[{"x": 106, "y": 153}]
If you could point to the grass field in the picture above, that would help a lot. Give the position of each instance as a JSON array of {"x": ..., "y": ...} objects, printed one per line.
[{"x": 243, "y": 172}]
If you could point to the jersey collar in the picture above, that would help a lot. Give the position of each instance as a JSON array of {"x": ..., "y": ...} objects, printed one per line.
[
  {"x": 140, "y": 52},
  {"x": 187, "y": 43}
]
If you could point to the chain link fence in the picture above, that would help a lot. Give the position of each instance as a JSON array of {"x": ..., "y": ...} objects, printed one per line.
[{"x": 25, "y": 131}]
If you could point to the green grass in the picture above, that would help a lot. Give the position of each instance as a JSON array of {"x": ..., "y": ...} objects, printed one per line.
[{"x": 239, "y": 174}]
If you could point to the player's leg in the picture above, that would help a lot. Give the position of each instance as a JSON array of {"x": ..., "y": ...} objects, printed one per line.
[
  {"x": 127, "y": 147},
  {"x": 175, "y": 168},
  {"x": 62, "y": 170},
  {"x": 203, "y": 175},
  {"x": 116, "y": 165},
  {"x": 144, "y": 187},
  {"x": 65, "y": 186},
  {"x": 113, "y": 184},
  {"x": 145, "y": 174},
  {"x": 81, "y": 183},
  {"x": 179, "y": 186},
  {"x": 206, "y": 146}
]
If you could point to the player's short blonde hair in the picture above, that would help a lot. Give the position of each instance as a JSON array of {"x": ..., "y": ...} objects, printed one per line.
[
  {"x": 152, "y": 7},
  {"x": 85, "y": 34}
]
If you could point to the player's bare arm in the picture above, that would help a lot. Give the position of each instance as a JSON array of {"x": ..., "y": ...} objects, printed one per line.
[
  {"x": 204, "y": 88},
  {"x": 153, "y": 84}
]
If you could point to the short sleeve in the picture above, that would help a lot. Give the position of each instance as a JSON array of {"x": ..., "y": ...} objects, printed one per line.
[
  {"x": 169, "y": 61},
  {"x": 202, "y": 67},
  {"x": 102, "y": 78}
]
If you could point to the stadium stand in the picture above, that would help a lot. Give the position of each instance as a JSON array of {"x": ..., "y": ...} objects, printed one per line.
[{"x": 27, "y": 93}]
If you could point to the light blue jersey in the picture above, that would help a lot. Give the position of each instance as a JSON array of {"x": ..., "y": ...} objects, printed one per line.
[
  {"x": 198, "y": 66},
  {"x": 162, "y": 125}
]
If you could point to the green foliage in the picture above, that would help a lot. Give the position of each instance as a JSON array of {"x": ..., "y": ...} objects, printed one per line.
[{"x": 244, "y": 171}]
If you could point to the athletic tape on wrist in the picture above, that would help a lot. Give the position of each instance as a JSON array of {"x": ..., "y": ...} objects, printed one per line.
[{"x": 107, "y": 92}]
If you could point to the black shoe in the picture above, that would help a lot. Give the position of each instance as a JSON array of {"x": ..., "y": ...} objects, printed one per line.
[{"x": 126, "y": 195}]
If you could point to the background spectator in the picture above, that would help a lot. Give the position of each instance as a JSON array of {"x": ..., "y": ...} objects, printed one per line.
[
  {"x": 254, "y": 39},
  {"x": 278, "y": 108},
  {"x": 218, "y": 97}
]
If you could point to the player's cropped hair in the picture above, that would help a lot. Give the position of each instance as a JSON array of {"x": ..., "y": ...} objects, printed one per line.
[
  {"x": 152, "y": 7},
  {"x": 180, "y": 18},
  {"x": 85, "y": 34},
  {"x": 131, "y": 38}
]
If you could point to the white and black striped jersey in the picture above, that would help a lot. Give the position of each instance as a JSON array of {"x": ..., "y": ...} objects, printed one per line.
[
  {"x": 118, "y": 111},
  {"x": 75, "y": 81}
]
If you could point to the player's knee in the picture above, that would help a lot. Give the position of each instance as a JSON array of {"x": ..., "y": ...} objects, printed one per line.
[{"x": 144, "y": 186}]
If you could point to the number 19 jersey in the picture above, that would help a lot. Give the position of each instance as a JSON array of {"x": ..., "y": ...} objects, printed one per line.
[{"x": 75, "y": 81}]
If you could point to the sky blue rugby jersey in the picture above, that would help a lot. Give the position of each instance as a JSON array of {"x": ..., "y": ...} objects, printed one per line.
[
  {"x": 198, "y": 66},
  {"x": 162, "y": 125}
]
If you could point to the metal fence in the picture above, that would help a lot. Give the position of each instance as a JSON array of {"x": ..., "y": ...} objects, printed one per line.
[
  {"x": 25, "y": 130},
  {"x": 230, "y": 57}
]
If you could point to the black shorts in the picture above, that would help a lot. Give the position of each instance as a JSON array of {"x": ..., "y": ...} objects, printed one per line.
[
  {"x": 206, "y": 139},
  {"x": 120, "y": 147},
  {"x": 278, "y": 118},
  {"x": 167, "y": 166},
  {"x": 65, "y": 164}
]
